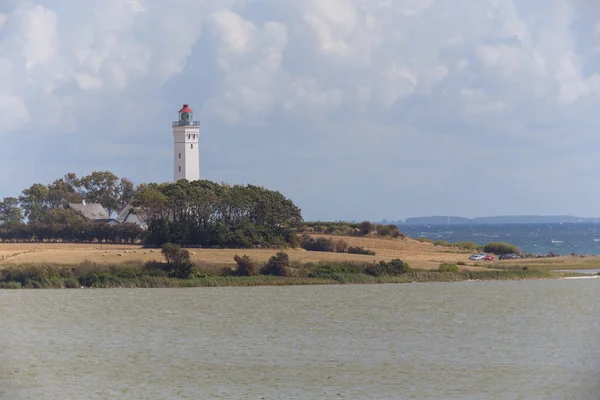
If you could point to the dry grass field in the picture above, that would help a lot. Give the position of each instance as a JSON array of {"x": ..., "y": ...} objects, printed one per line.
[
  {"x": 417, "y": 254},
  {"x": 551, "y": 263}
]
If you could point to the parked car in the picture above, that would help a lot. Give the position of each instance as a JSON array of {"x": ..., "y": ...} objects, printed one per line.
[
  {"x": 478, "y": 256},
  {"x": 509, "y": 256},
  {"x": 488, "y": 257}
]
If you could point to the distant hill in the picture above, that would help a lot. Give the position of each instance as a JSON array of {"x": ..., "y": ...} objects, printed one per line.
[
  {"x": 496, "y": 220},
  {"x": 438, "y": 220}
]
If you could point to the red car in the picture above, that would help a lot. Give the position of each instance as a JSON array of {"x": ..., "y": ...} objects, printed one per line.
[{"x": 488, "y": 257}]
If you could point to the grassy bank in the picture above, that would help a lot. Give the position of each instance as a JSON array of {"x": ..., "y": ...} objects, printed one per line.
[{"x": 156, "y": 275}]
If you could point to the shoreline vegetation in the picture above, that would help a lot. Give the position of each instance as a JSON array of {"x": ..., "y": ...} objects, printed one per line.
[
  {"x": 156, "y": 275},
  {"x": 56, "y": 265},
  {"x": 178, "y": 271}
]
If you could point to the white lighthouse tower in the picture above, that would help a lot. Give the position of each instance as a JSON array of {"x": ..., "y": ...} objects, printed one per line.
[{"x": 186, "y": 152}]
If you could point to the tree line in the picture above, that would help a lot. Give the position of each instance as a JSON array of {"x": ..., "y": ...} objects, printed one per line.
[
  {"x": 200, "y": 213},
  {"x": 40, "y": 213},
  {"x": 67, "y": 225},
  {"x": 210, "y": 214},
  {"x": 360, "y": 229},
  {"x": 34, "y": 202}
]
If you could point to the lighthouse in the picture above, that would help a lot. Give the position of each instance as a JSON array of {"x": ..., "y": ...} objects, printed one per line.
[{"x": 186, "y": 152}]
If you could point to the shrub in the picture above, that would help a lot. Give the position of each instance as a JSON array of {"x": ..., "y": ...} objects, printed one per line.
[
  {"x": 461, "y": 263},
  {"x": 366, "y": 227},
  {"x": 277, "y": 265},
  {"x": 341, "y": 246},
  {"x": 327, "y": 270},
  {"x": 468, "y": 246},
  {"x": 360, "y": 250},
  {"x": 246, "y": 267},
  {"x": 178, "y": 260},
  {"x": 319, "y": 244},
  {"x": 449, "y": 268},
  {"x": 500, "y": 248},
  {"x": 395, "y": 232},
  {"x": 384, "y": 230},
  {"x": 394, "y": 268}
]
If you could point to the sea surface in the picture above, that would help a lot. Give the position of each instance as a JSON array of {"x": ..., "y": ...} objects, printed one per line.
[
  {"x": 563, "y": 239},
  {"x": 469, "y": 340}
]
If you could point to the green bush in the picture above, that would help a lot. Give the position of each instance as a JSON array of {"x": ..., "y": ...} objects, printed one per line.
[
  {"x": 366, "y": 227},
  {"x": 383, "y": 230},
  {"x": 352, "y": 229},
  {"x": 468, "y": 246},
  {"x": 319, "y": 244},
  {"x": 277, "y": 265},
  {"x": 178, "y": 260},
  {"x": 246, "y": 267},
  {"x": 461, "y": 245},
  {"x": 449, "y": 268},
  {"x": 393, "y": 268},
  {"x": 500, "y": 248},
  {"x": 327, "y": 270},
  {"x": 360, "y": 250}
]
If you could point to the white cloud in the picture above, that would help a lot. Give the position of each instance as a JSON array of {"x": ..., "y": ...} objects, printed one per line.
[
  {"x": 250, "y": 58},
  {"x": 412, "y": 8},
  {"x": 333, "y": 21},
  {"x": 13, "y": 112},
  {"x": 307, "y": 97},
  {"x": 399, "y": 82}
]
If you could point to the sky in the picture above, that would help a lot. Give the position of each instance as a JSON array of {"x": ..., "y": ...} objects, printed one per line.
[{"x": 354, "y": 109}]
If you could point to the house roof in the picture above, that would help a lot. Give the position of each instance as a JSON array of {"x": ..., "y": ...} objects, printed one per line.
[
  {"x": 124, "y": 213},
  {"x": 92, "y": 211},
  {"x": 128, "y": 210}
]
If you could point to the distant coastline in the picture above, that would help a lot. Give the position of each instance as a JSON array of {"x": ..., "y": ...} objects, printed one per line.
[{"x": 494, "y": 220}]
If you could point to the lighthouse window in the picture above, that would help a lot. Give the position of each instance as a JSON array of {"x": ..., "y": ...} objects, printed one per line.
[
  {"x": 192, "y": 145},
  {"x": 179, "y": 155},
  {"x": 179, "y": 169}
]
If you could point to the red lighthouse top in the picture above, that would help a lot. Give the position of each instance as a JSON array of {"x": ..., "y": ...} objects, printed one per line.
[{"x": 186, "y": 108}]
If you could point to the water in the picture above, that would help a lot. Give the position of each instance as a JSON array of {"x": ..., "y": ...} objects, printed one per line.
[
  {"x": 471, "y": 340},
  {"x": 581, "y": 271},
  {"x": 563, "y": 239}
]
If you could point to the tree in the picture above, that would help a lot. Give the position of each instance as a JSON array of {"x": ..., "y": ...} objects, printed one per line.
[
  {"x": 126, "y": 192},
  {"x": 246, "y": 267},
  {"x": 34, "y": 200},
  {"x": 207, "y": 213},
  {"x": 10, "y": 212},
  {"x": 106, "y": 188},
  {"x": 64, "y": 190},
  {"x": 61, "y": 216},
  {"x": 178, "y": 259}
]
